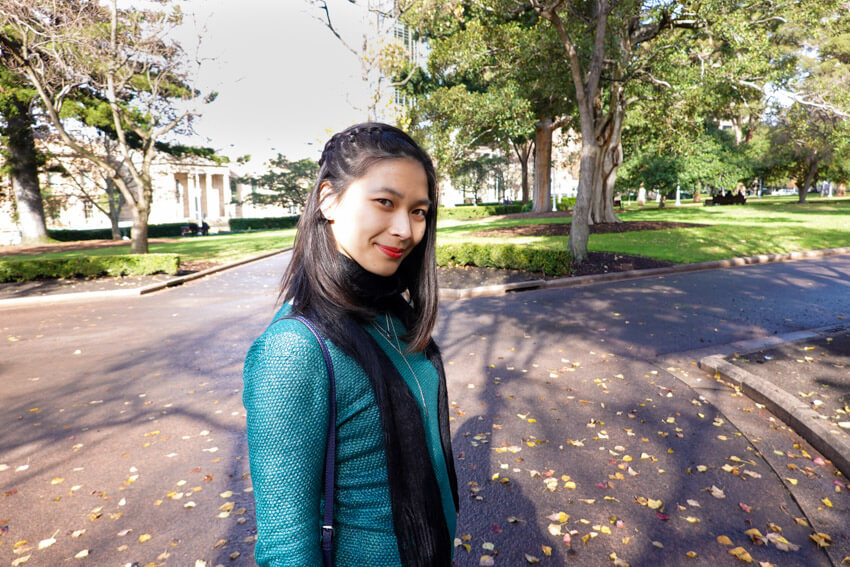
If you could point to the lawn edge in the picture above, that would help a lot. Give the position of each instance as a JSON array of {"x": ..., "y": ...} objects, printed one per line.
[{"x": 500, "y": 289}]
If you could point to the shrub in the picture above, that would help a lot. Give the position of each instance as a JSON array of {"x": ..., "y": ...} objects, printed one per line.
[
  {"x": 263, "y": 223},
  {"x": 526, "y": 207},
  {"x": 164, "y": 230},
  {"x": 550, "y": 261},
  {"x": 565, "y": 203},
  {"x": 68, "y": 235},
  {"x": 474, "y": 212},
  {"x": 88, "y": 266}
]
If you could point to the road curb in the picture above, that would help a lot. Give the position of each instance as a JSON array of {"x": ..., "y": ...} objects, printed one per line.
[
  {"x": 87, "y": 295},
  {"x": 801, "y": 418},
  {"x": 501, "y": 289}
]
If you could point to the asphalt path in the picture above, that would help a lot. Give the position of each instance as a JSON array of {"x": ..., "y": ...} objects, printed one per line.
[{"x": 124, "y": 440}]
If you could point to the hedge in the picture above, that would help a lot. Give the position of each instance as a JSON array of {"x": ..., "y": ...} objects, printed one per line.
[
  {"x": 550, "y": 261},
  {"x": 263, "y": 223},
  {"x": 565, "y": 203},
  {"x": 474, "y": 212},
  {"x": 88, "y": 266},
  {"x": 154, "y": 231}
]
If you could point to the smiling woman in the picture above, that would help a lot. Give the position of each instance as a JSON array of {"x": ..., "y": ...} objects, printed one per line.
[
  {"x": 381, "y": 217},
  {"x": 363, "y": 274}
]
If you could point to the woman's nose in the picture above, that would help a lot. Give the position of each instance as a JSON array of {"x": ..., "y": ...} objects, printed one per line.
[{"x": 400, "y": 226}]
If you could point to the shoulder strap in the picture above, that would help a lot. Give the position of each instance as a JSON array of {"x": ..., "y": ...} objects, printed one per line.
[{"x": 330, "y": 450}]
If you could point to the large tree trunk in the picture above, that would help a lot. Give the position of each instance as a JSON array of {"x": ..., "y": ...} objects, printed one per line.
[
  {"x": 543, "y": 165},
  {"x": 610, "y": 159},
  {"x": 113, "y": 198},
  {"x": 523, "y": 152},
  {"x": 580, "y": 226},
  {"x": 139, "y": 234},
  {"x": 803, "y": 189},
  {"x": 23, "y": 162}
]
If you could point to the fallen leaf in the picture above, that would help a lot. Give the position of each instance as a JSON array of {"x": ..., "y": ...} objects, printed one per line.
[
  {"x": 717, "y": 492},
  {"x": 741, "y": 554},
  {"x": 724, "y": 540},
  {"x": 756, "y": 536},
  {"x": 45, "y": 543},
  {"x": 821, "y": 539},
  {"x": 144, "y": 537},
  {"x": 531, "y": 558}
]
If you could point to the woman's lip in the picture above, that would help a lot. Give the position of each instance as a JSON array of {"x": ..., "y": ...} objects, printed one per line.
[{"x": 390, "y": 251}]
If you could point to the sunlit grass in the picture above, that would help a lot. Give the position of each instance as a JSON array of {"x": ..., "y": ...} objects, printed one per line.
[
  {"x": 214, "y": 248},
  {"x": 766, "y": 226}
]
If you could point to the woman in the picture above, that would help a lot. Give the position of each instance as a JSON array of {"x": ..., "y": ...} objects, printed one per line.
[{"x": 363, "y": 273}]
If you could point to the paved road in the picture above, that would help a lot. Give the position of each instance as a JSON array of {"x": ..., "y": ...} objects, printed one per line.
[{"x": 123, "y": 425}]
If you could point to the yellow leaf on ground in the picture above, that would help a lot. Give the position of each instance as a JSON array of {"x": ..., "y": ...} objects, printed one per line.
[
  {"x": 741, "y": 554},
  {"x": 821, "y": 539},
  {"x": 724, "y": 540}
]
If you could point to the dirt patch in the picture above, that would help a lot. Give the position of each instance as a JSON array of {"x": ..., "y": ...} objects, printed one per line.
[
  {"x": 597, "y": 263},
  {"x": 563, "y": 229}
]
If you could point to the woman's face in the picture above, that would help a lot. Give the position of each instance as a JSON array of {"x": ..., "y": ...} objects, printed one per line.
[{"x": 380, "y": 218}]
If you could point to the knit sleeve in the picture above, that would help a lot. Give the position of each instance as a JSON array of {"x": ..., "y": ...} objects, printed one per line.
[{"x": 286, "y": 400}]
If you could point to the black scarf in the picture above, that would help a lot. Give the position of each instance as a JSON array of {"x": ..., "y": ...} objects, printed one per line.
[{"x": 420, "y": 525}]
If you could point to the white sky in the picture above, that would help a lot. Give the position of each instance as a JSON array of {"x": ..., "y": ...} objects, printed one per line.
[{"x": 284, "y": 81}]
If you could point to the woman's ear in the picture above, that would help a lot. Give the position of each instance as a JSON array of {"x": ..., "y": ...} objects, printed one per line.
[{"x": 327, "y": 201}]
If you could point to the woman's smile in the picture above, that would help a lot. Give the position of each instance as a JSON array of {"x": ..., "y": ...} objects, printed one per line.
[{"x": 381, "y": 217}]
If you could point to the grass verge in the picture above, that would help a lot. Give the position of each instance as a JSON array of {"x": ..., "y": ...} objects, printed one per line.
[{"x": 766, "y": 226}]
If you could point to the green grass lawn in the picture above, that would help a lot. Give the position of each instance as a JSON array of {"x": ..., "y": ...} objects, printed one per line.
[
  {"x": 215, "y": 248},
  {"x": 762, "y": 226}
]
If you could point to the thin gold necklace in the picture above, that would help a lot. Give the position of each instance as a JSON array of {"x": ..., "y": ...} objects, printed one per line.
[{"x": 385, "y": 334}]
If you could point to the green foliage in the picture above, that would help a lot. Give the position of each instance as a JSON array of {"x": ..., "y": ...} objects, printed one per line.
[
  {"x": 710, "y": 159},
  {"x": 550, "y": 261},
  {"x": 564, "y": 203},
  {"x": 474, "y": 212},
  {"x": 285, "y": 183},
  {"x": 164, "y": 230},
  {"x": 263, "y": 223},
  {"x": 88, "y": 266},
  {"x": 526, "y": 207}
]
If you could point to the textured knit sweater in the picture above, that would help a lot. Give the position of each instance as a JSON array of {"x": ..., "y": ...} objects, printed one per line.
[{"x": 286, "y": 398}]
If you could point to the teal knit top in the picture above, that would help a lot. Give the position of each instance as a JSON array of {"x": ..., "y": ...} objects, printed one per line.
[{"x": 286, "y": 398}]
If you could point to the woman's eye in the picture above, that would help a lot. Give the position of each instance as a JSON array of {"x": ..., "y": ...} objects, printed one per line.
[
  {"x": 384, "y": 202},
  {"x": 420, "y": 212}
]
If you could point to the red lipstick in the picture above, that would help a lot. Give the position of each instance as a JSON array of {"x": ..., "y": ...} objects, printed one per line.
[{"x": 394, "y": 253}]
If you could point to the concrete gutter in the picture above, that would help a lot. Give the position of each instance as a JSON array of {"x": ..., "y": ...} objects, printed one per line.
[
  {"x": 136, "y": 291},
  {"x": 800, "y": 417},
  {"x": 490, "y": 290}
]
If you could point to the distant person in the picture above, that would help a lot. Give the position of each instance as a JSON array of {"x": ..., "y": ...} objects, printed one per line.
[{"x": 367, "y": 236}]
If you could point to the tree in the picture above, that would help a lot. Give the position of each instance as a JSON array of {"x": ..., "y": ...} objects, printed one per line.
[
  {"x": 122, "y": 56},
  {"x": 21, "y": 157},
  {"x": 286, "y": 183},
  {"x": 814, "y": 131},
  {"x": 493, "y": 81}
]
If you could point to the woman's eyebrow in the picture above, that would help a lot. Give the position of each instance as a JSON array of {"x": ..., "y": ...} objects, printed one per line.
[{"x": 399, "y": 195}]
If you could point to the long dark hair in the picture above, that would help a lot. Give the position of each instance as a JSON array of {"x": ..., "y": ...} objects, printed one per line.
[
  {"x": 317, "y": 282},
  {"x": 315, "y": 275}
]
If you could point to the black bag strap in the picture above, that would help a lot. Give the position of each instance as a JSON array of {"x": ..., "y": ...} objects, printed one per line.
[{"x": 330, "y": 450}]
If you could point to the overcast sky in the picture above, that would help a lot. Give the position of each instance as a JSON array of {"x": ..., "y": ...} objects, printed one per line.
[{"x": 284, "y": 81}]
